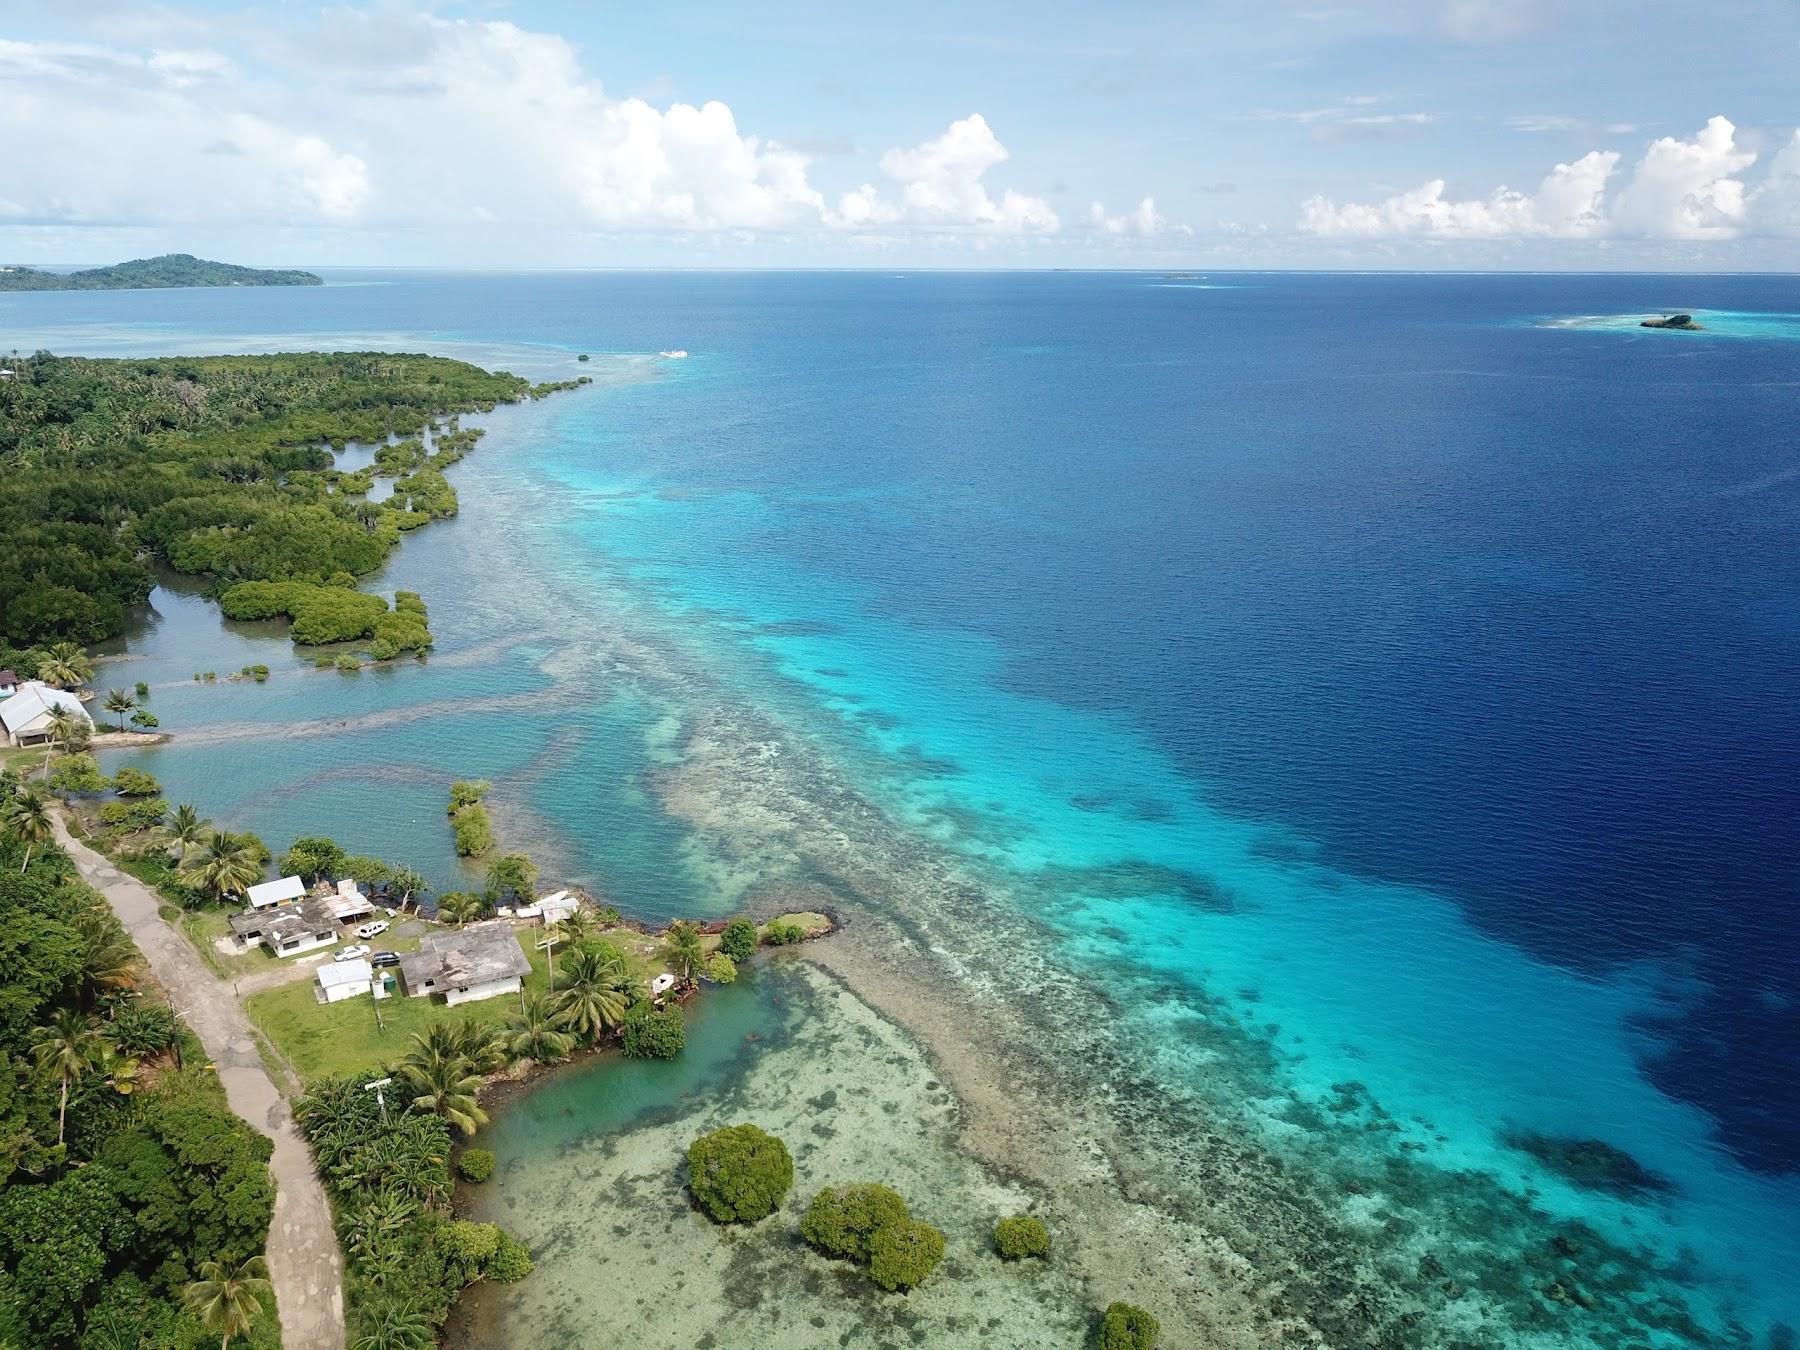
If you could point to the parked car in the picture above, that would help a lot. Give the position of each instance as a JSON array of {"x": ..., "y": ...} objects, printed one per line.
[
  {"x": 350, "y": 953},
  {"x": 385, "y": 959},
  {"x": 369, "y": 930}
]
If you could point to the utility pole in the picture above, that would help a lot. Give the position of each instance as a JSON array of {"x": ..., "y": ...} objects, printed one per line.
[{"x": 380, "y": 1096}]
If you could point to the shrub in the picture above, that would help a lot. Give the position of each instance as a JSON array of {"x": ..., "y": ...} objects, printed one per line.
[
  {"x": 1021, "y": 1236},
  {"x": 130, "y": 782},
  {"x": 141, "y": 689},
  {"x": 474, "y": 830},
  {"x": 139, "y": 814},
  {"x": 843, "y": 1220},
  {"x": 653, "y": 1033},
  {"x": 739, "y": 938},
  {"x": 476, "y": 1164},
  {"x": 1127, "y": 1328},
  {"x": 77, "y": 774},
  {"x": 144, "y": 719},
  {"x": 782, "y": 933},
  {"x": 739, "y": 1174},
  {"x": 719, "y": 968},
  {"x": 511, "y": 1261},
  {"x": 348, "y": 661},
  {"x": 902, "y": 1254},
  {"x": 466, "y": 792},
  {"x": 259, "y": 673}
]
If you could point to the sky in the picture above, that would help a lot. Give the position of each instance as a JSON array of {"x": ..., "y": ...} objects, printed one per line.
[{"x": 1461, "y": 134}]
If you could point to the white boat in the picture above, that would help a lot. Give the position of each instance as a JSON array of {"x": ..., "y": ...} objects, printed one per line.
[{"x": 673, "y": 356}]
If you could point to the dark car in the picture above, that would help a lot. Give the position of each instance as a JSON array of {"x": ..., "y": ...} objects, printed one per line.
[{"x": 384, "y": 958}]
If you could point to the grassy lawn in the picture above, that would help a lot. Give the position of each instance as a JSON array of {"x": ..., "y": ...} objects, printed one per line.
[{"x": 319, "y": 1039}]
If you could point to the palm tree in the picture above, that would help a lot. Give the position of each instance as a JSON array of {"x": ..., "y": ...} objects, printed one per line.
[
  {"x": 443, "y": 1083},
  {"x": 119, "y": 702},
  {"x": 66, "y": 731},
  {"x": 599, "y": 990},
  {"x": 458, "y": 907},
  {"x": 27, "y": 819},
  {"x": 65, "y": 665},
  {"x": 394, "y": 1326},
  {"x": 684, "y": 951},
  {"x": 533, "y": 1031},
  {"x": 108, "y": 961},
  {"x": 226, "y": 1301},
  {"x": 66, "y": 1048},
  {"x": 184, "y": 829},
  {"x": 222, "y": 867},
  {"x": 577, "y": 926}
]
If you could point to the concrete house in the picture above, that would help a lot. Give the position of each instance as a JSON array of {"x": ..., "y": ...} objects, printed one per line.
[
  {"x": 477, "y": 962},
  {"x": 339, "y": 980},
  {"x": 26, "y": 712},
  {"x": 287, "y": 930},
  {"x": 267, "y": 893}
]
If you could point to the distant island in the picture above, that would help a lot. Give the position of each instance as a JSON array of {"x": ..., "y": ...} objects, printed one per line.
[
  {"x": 171, "y": 269},
  {"x": 1673, "y": 321}
]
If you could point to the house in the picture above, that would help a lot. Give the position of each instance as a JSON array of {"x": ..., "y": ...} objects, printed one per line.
[
  {"x": 349, "y": 903},
  {"x": 26, "y": 713},
  {"x": 339, "y": 980},
  {"x": 268, "y": 893},
  {"x": 473, "y": 963},
  {"x": 287, "y": 929}
]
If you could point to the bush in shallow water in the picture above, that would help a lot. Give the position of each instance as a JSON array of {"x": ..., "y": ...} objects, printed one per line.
[
  {"x": 902, "y": 1255},
  {"x": 739, "y": 1174},
  {"x": 719, "y": 968},
  {"x": 739, "y": 938},
  {"x": 784, "y": 934},
  {"x": 133, "y": 782},
  {"x": 843, "y": 1220},
  {"x": 511, "y": 1261},
  {"x": 476, "y": 1164},
  {"x": 1021, "y": 1236},
  {"x": 1125, "y": 1327},
  {"x": 348, "y": 662},
  {"x": 653, "y": 1033}
]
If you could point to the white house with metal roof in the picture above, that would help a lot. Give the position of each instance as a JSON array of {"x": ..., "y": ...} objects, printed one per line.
[
  {"x": 26, "y": 715},
  {"x": 339, "y": 980},
  {"x": 266, "y": 893}
]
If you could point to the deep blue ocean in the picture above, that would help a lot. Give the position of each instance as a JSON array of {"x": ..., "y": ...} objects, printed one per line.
[{"x": 1425, "y": 647}]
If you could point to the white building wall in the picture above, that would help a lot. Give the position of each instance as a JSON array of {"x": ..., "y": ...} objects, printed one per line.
[
  {"x": 310, "y": 945},
  {"x": 339, "y": 993},
  {"x": 476, "y": 992}
]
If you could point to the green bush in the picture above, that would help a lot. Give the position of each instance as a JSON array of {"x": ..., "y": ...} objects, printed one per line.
[
  {"x": 348, "y": 662},
  {"x": 511, "y": 1261},
  {"x": 843, "y": 1220},
  {"x": 474, "y": 830},
  {"x": 739, "y": 938},
  {"x": 466, "y": 792},
  {"x": 1021, "y": 1236},
  {"x": 476, "y": 1164},
  {"x": 132, "y": 782},
  {"x": 783, "y": 933},
  {"x": 76, "y": 774},
  {"x": 653, "y": 1033},
  {"x": 142, "y": 689},
  {"x": 901, "y": 1255},
  {"x": 138, "y": 814},
  {"x": 1127, "y": 1328},
  {"x": 146, "y": 720},
  {"x": 739, "y": 1174},
  {"x": 259, "y": 673},
  {"x": 719, "y": 968}
]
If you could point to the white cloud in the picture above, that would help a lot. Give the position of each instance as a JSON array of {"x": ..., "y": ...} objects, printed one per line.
[
  {"x": 1146, "y": 222},
  {"x": 1679, "y": 189},
  {"x": 1775, "y": 207},
  {"x": 1686, "y": 189},
  {"x": 1567, "y": 205},
  {"x": 397, "y": 119},
  {"x": 941, "y": 185}
]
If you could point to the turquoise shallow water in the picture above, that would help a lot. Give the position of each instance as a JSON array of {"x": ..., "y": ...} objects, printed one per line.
[{"x": 1383, "y": 697}]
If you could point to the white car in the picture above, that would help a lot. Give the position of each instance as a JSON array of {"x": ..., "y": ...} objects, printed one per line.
[
  {"x": 376, "y": 929},
  {"x": 350, "y": 953}
]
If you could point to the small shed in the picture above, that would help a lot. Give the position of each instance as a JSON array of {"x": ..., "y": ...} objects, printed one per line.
[
  {"x": 267, "y": 893},
  {"x": 339, "y": 980}
]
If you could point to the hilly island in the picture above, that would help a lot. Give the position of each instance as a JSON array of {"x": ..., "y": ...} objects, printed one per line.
[{"x": 163, "y": 271}]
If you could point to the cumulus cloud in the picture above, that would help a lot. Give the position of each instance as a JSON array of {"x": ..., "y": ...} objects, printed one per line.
[
  {"x": 394, "y": 118},
  {"x": 1776, "y": 204},
  {"x": 940, "y": 184},
  {"x": 1567, "y": 205},
  {"x": 1680, "y": 189},
  {"x": 1146, "y": 222}
]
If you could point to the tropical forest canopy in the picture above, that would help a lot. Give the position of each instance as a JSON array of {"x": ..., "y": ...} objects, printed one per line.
[
  {"x": 219, "y": 466},
  {"x": 170, "y": 269}
]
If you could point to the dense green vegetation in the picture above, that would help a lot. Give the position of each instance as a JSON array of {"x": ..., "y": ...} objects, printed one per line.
[
  {"x": 386, "y": 1162},
  {"x": 869, "y": 1224},
  {"x": 739, "y": 1174},
  {"x": 167, "y": 269},
  {"x": 469, "y": 818},
  {"x": 1125, "y": 1327},
  {"x": 1021, "y": 1236},
  {"x": 739, "y": 938},
  {"x": 124, "y": 1179},
  {"x": 220, "y": 466}
]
